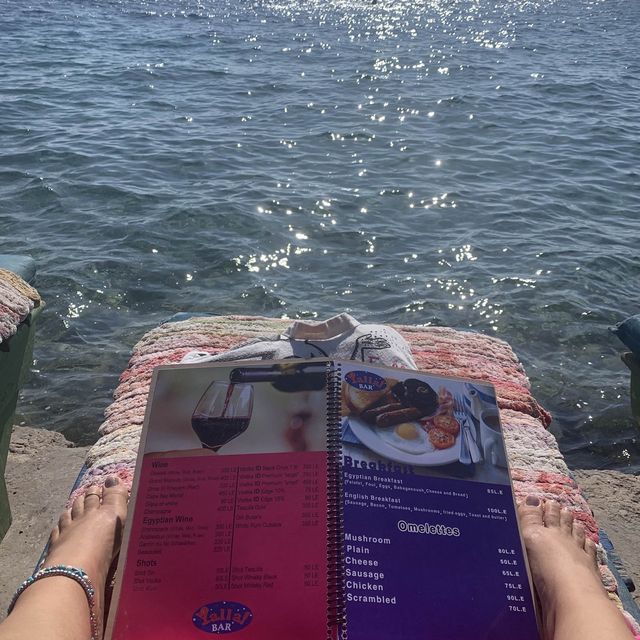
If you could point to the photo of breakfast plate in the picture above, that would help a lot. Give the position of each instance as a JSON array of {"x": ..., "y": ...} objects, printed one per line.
[
  {"x": 408, "y": 442},
  {"x": 402, "y": 420}
]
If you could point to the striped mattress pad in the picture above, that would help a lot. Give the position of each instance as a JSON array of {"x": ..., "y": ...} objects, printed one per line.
[{"x": 537, "y": 465}]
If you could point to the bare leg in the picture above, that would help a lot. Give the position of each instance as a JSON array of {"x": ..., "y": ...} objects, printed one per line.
[
  {"x": 565, "y": 573},
  {"x": 87, "y": 537}
]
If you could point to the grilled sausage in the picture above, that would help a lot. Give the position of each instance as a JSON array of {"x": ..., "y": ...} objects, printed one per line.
[
  {"x": 370, "y": 415},
  {"x": 397, "y": 416}
]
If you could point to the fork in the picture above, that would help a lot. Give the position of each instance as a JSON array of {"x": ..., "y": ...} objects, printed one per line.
[
  {"x": 465, "y": 454},
  {"x": 470, "y": 444}
]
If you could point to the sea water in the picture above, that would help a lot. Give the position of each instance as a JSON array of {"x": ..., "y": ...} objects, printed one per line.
[{"x": 468, "y": 163}]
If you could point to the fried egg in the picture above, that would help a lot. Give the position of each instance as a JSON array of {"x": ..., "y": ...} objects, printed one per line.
[{"x": 406, "y": 436}]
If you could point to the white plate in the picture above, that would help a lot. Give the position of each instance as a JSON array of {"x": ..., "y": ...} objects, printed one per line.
[{"x": 373, "y": 441}]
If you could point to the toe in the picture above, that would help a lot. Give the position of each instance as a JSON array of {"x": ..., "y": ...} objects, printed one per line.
[
  {"x": 64, "y": 520},
  {"x": 77, "y": 508},
  {"x": 530, "y": 512},
  {"x": 566, "y": 520},
  {"x": 592, "y": 551},
  {"x": 551, "y": 514},
  {"x": 92, "y": 498},
  {"x": 577, "y": 531},
  {"x": 55, "y": 534},
  {"x": 115, "y": 495}
]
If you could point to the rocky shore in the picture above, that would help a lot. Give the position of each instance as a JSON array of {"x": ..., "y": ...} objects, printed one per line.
[{"x": 43, "y": 466}]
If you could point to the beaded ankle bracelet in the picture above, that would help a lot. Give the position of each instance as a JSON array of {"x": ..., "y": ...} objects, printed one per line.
[{"x": 69, "y": 572}]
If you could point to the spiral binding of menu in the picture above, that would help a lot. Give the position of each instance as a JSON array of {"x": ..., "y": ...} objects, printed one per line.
[{"x": 336, "y": 612}]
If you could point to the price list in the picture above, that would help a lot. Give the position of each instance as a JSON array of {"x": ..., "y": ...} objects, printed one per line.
[
  {"x": 249, "y": 529},
  {"x": 512, "y": 579},
  {"x": 512, "y": 576},
  {"x": 405, "y": 533},
  {"x": 251, "y": 501}
]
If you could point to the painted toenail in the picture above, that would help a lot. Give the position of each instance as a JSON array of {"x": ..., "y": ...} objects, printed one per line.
[
  {"x": 533, "y": 501},
  {"x": 111, "y": 481}
]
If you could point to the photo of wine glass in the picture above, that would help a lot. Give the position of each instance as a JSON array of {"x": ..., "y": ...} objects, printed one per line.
[{"x": 222, "y": 413}]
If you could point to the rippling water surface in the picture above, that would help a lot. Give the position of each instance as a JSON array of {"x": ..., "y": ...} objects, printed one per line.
[{"x": 470, "y": 163}]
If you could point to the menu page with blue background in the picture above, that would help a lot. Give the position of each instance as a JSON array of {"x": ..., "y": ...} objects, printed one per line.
[{"x": 431, "y": 542}]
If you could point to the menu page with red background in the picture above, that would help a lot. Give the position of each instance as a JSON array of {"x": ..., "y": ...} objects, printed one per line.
[{"x": 228, "y": 530}]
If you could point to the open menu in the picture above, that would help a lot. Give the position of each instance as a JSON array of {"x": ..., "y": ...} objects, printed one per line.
[{"x": 320, "y": 500}]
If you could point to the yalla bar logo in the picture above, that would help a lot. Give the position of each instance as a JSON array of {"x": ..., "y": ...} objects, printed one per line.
[
  {"x": 365, "y": 380},
  {"x": 222, "y": 617}
]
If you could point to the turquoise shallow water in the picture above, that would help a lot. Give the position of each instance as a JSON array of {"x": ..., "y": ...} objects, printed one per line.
[{"x": 465, "y": 163}]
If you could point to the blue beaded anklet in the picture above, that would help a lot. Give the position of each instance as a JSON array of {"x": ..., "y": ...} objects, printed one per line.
[{"x": 69, "y": 572}]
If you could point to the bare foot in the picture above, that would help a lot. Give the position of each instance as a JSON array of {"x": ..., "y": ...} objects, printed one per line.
[
  {"x": 563, "y": 562},
  {"x": 88, "y": 535}
]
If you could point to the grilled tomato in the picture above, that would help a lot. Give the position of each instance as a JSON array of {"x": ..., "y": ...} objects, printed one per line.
[
  {"x": 448, "y": 423},
  {"x": 441, "y": 439}
]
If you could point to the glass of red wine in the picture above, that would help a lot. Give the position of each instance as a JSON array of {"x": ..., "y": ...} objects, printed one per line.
[{"x": 222, "y": 413}]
